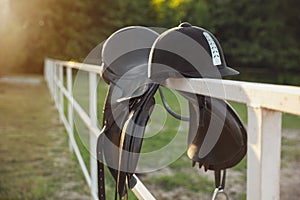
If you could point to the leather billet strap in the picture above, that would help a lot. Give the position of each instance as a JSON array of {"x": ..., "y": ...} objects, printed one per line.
[
  {"x": 220, "y": 181},
  {"x": 120, "y": 142},
  {"x": 220, "y": 185},
  {"x": 101, "y": 181},
  {"x": 100, "y": 166}
]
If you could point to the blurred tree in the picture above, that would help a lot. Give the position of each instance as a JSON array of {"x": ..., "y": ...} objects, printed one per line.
[
  {"x": 170, "y": 13},
  {"x": 254, "y": 33},
  {"x": 258, "y": 33},
  {"x": 50, "y": 28},
  {"x": 289, "y": 11},
  {"x": 120, "y": 13}
]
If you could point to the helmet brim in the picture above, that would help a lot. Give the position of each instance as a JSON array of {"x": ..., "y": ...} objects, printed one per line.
[{"x": 228, "y": 71}]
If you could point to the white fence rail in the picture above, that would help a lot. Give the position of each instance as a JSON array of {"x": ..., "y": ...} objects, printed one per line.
[
  {"x": 265, "y": 103},
  {"x": 54, "y": 76}
]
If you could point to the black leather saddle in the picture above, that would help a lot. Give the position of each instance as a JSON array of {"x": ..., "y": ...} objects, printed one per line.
[{"x": 135, "y": 61}]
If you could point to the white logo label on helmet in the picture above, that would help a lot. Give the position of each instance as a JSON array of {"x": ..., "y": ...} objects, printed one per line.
[{"x": 213, "y": 49}]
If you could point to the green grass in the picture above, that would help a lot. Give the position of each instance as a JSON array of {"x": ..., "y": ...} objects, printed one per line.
[
  {"x": 241, "y": 110},
  {"x": 24, "y": 168},
  {"x": 80, "y": 91},
  {"x": 32, "y": 145},
  {"x": 288, "y": 121},
  {"x": 289, "y": 151},
  {"x": 26, "y": 173},
  {"x": 184, "y": 178},
  {"x": 241, "y": 166}
]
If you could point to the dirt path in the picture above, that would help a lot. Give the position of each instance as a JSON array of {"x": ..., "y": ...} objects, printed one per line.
[{"x": 35, "y": 162}]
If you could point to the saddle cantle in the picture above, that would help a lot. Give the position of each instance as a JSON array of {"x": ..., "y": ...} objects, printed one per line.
[{"x": 135, "y": 61}]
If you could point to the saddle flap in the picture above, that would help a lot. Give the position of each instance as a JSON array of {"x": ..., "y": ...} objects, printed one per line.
[
  {"x": 121, "y": 139},
  {"x": 218, "y": 139}
]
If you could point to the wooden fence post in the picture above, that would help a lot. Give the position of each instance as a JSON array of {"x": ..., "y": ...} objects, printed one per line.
[
  {"x": 55, "y": 88},
  {"x": 70, "y": 107},
  {"x": 93, "y": 138},
  {"x": 51, "y": 70},
  {"x": 263, "y": 161},
  {"x": 61, "y": 96}
]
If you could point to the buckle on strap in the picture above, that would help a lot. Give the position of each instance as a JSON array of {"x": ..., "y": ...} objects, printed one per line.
[
  {"x": 220, "y": 185},
  {"x": 220, "y": 191}
]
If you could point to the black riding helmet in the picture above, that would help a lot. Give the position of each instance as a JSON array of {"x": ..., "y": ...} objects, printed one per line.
[
  {"x": 217, "y": 138},
  {"x": 187, "y": 51}
]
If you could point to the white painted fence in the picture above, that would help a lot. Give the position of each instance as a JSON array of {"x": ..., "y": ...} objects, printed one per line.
[
  {"x": 265, "y": 103},
  {"x": 54, "y": 76}
]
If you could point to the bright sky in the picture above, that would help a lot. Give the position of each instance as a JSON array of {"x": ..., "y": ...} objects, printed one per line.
[
  {"x": 4, "y": 12},
  {"x": 4, "y": 6}
]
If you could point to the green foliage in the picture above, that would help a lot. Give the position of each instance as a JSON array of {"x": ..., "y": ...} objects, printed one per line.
[
  {"x": 258, "y": 36},
  {"x": 170, "y": 13},
  {"x": 255, "y": 33}
]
